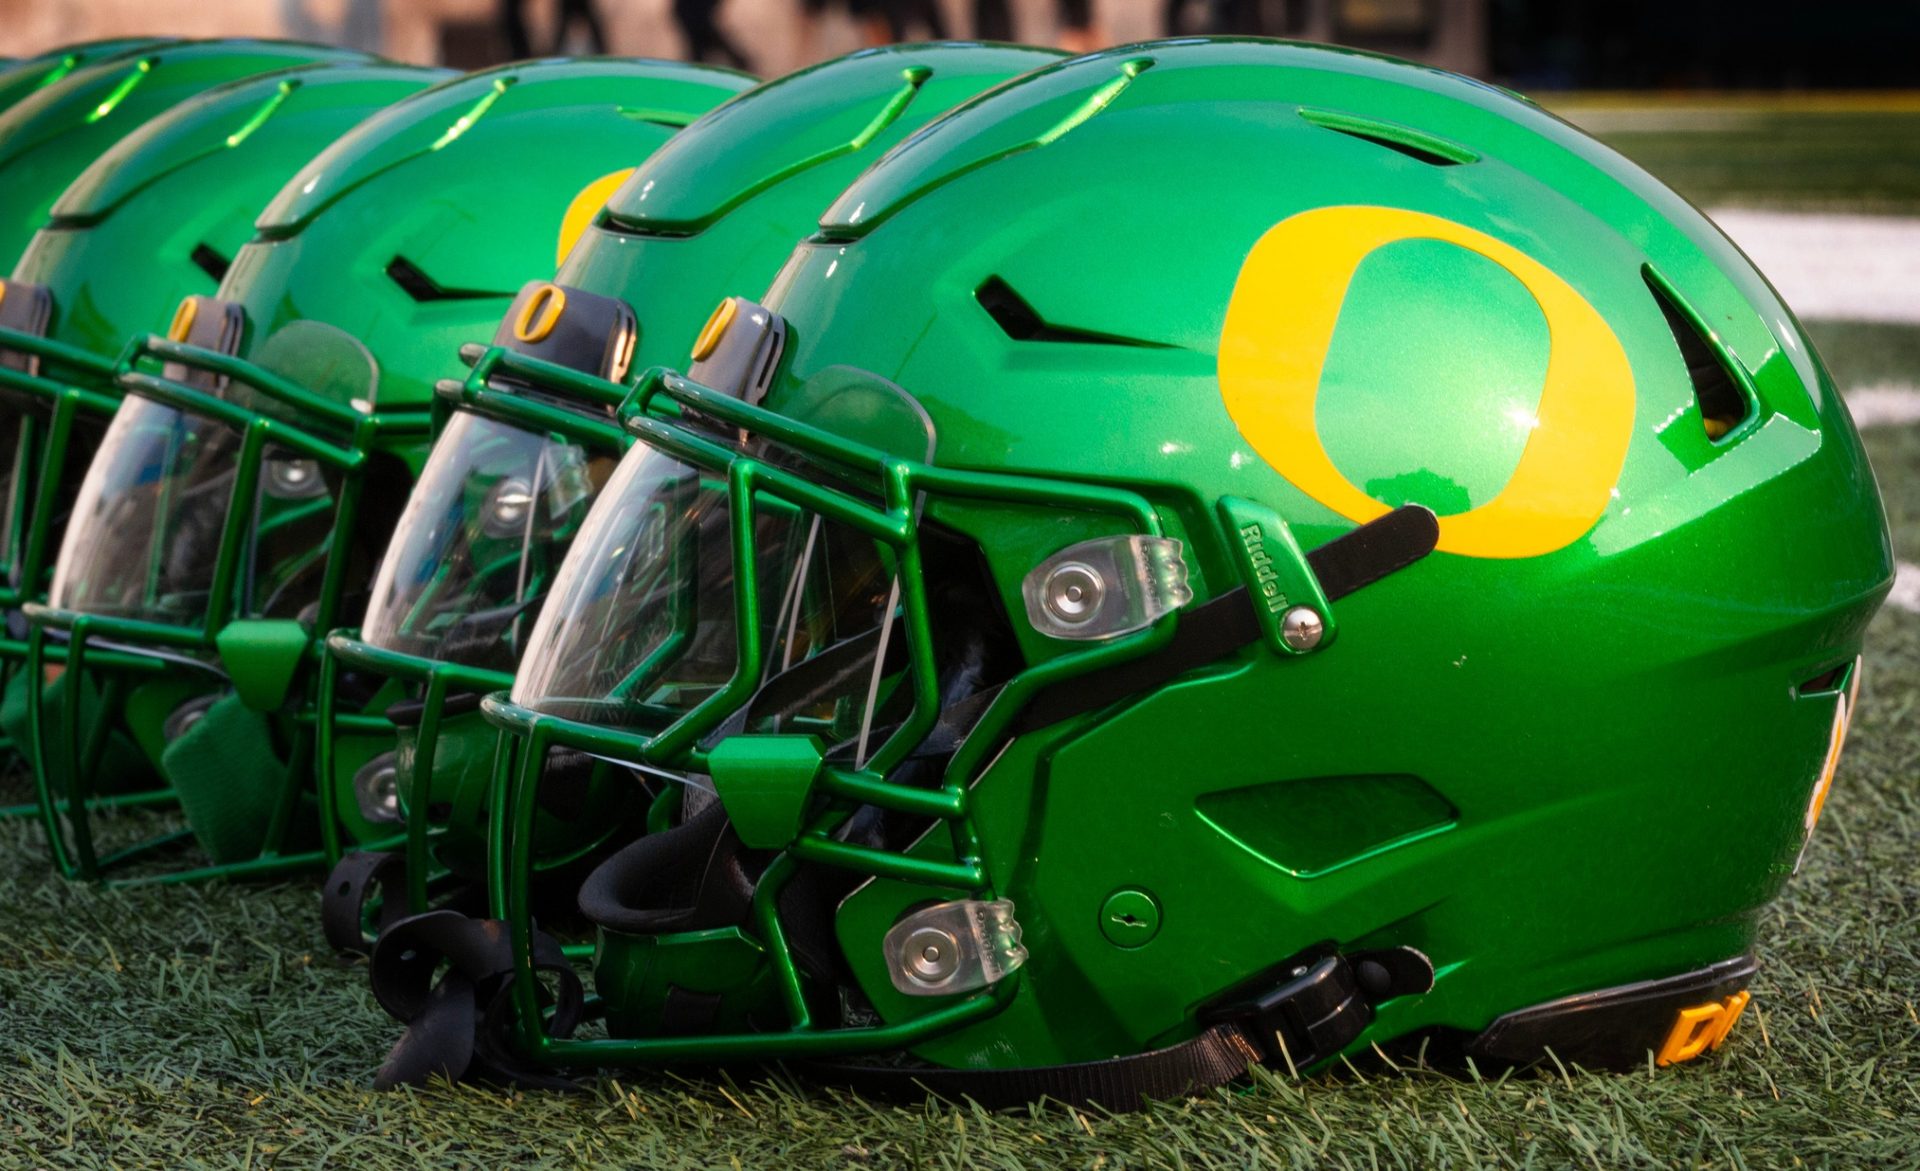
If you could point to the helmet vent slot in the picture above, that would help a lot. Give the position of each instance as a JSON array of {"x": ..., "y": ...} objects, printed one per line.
[
  {"x": 1415, "y": 144},
  {"x": 1718, "y": 384},
  {"x": 1023, "y": 323},
  {"x": 210, "y": 262},
  {"x": 1834, "y": 679},
  {"x": 423, "y": 288}
]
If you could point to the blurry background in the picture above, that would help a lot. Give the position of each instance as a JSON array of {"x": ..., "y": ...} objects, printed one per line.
[
  {"x": 1795, "y": 124},
  {"x": 1531, "y": 44}
]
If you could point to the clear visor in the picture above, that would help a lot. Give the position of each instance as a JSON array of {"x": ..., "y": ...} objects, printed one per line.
[
  {"x": 481, "y": 539},
  {"x": 642, "y": 623},
  {"x": 146, "y": 535}
]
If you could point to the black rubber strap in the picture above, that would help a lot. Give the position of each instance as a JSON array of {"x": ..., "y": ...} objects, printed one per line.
[
  {"x": 1357, "y": 559},
  {"x": 1217, "y": 628},
  {"x": 407, "y": 713},
  {"x": 458, "y": 1028},
  {"x": 343, "y": 901},
  {"x": 1217, "y": 1056},
  {"x": 1299, "y": 1012}
]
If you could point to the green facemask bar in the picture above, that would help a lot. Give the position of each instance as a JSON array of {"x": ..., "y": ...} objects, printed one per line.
[
  {"x": 274, "y": 458},
  {"x": 47, "y": 420},
  {"x": 779, "y": 790},
  {"x": 207, "y": 163},
  {"x": 720, "y": 203},
  {"x": 778, "y": 787},
  {"x": 263, "y": 593},
  {"x": 420, "y": 791}
]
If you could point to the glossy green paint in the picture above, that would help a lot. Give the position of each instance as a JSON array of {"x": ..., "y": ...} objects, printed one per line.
[
  {"x": 766, "y": 783},
  {"x": 1592, "y": 765},
  {"x": 476, "y": 214},
  {"x": 714, "y": 211},
  {"x": 263, "y": 656},
  {"x": 886, "y": 505},
  {"x": 1616, "y": 722},
  {"x": 21, "y": 79},
  {"x": 49, "y": 138},
  {"x": 719, "y": 209}
]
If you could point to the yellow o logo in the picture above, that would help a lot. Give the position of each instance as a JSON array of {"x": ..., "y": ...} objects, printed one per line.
[
  {"x": 183, "y": 318},
  {"x": 1279, "y": 329},
  {"x": 540, "y": 314},
  {"x": 581, "y": 209}
]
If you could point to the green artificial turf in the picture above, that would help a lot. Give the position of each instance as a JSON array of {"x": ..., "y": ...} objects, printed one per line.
[{"x": 187, "y": 1027}]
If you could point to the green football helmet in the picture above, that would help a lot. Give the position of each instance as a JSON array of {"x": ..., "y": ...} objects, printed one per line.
[
  {"x": 241, "y": 495},
  {"x": 20, "y": 79},
  {"x": 1251, "y": 551},
  {"x": 48, "y": 138},
  {"x": 156, "y": 218},
  {"x": 717, "y": 209}
]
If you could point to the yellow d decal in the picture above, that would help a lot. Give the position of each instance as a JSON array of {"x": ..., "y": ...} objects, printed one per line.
[
  {"x": 540, "y": 314},
  {"x": 1279, "y": 329},
  {"x": 586, "y": 205}
]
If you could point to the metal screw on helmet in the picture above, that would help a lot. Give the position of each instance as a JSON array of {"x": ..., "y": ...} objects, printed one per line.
[
  {"x": 1106, "y": 587},
  {"x": 932, "y": 955},
  {"x": 376, "y": 789},
  {"x": 295, "y": 479},
  {"x": 954, "y": 947},
  {"x": 185, "y": 717},
  {"x": 1072, "y": 593},
  {"x": 1302, "y": 628},
  {"x": 506, "y": 507}
]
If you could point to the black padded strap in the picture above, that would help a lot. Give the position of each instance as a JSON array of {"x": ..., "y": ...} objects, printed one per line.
[
  {"x": 1297, "y": 1013},
  {"x": 691, "y": 877},
  {"x": 1220, "y": 626},
  {"x": 407, "y": 713},
  {"x": 343, "y": 901}
]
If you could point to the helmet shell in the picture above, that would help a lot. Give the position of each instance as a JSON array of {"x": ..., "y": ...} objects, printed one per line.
[
  {"x": 718, "y": 208},
  {"x": 1554, "y": 764},
  {"x": 460, "y": 192},
  {"x": 46, "y": 140},
  {"x": 20, "y": 79},
  {"x": 162, "y": 213},
  {"x": 722, "y": 203}
]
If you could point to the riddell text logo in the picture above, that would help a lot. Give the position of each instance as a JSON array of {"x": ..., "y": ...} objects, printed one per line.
[{"x": 1263, "y": 574}]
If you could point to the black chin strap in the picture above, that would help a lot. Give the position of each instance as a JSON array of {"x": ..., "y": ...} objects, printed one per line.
[
  {"x": 461, "y": 1027},
  {"x": 1294, "y": 1016},
  {"x": 1221, "y": 626}
]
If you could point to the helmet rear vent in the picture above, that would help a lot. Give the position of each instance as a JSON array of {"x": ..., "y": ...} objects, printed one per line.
[
  {"x": 1415, "y": 144},
  {"x": 1023, "y": 323},
  {"x": 1830, "y": 680},
  {"x": 210, "y": 262},
  {"x": 423, "y": 288},
  {"x": 1717, "y": 383}
]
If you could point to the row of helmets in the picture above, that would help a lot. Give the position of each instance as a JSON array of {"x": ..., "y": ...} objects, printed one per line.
[{"x": 1204, "y": 554}]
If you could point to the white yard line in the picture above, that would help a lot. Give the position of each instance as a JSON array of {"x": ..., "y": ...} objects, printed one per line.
[
  {"x": 1888, "y": 404},
  {"x": 1833, "y": 266},
  {"x": 1906, "y": 587}
]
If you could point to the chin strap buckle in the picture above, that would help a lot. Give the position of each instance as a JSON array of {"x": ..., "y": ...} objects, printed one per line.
[{"x": 1321, "y": 1001}]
